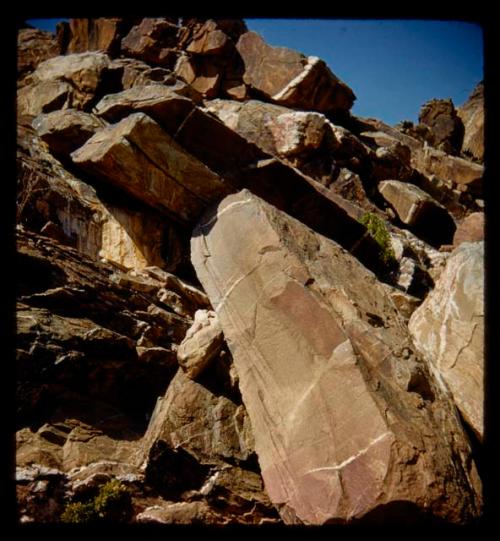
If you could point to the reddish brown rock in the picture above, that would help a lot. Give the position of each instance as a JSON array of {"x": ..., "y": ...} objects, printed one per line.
[
  {"x": 65, "y": 81},
  {"x": 210, "y": 36},
  {"x": 446, "y": 127},
  {"x": 43, "y": 97},
  {"x": 153, "y": 41},
  {"x": 250, "y": 119},
  {"x": 471, "y": 229},
  {"x": 66, "y": 130},
  {"x": 100, "y": 34},
  {"x": 472, "y": 115},
  {"x": 347, "y": 418},
  {"x": 162, "y": 103},
  {"x": 209, "y": 426},
  {"x": 448, "y": 172},
  {"x": 448, "y": 328},
  {"x": 205, "y": 76},
  {"x": 34, "y": 46},
  {"x": 206, "y": 38},
  {"x": 289, "y": 78},
  {"x": 140, "y": 158}
]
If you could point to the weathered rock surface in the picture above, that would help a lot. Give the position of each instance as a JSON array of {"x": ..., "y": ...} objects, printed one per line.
[
  {"x": 420, "y": 211},
  {"x": 210, "y": 37},
  {"x": 166, "y": 105},
  {"x": 139, "y": 157},
  {"x": 251, "y": 119},
  {"x": 153, "y": 41},
  {"x": 66, "y": 130},
  {"x": 296, "y": 133},
  {"x": 84, "y": 72},
  {"x": 191, "y": 418},
  {"x": 471, "y": 229},
  {"x": 472, "y": 115},
  {"x": 447, "y": 173},
  {"x": 347, "y": 418},
  {"x": 348, "y": 422},
  {"x": 289, "y": 78},
  {"x": 101, "y": 34},
  {"x": 43, "y": 97},
  {"x": 449, "y": 330},
  {"x": 97, "y": 225},
  {"x": 201, "y": 344},
  {"x": 34, "y": 46},
  {"x": 446, "y": 127},
  {"x": 65, "y": 310}
]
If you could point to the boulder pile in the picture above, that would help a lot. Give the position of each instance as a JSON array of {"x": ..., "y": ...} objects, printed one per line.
[{"x": 238, "y": 303}]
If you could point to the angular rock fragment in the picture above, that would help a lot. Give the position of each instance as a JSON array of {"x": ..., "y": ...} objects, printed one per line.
[
  {"x": 85, "y": 72},
  {"x": 43, "y": 97},
  {"x": 139, "y": 157},
  {"x": 202, "y": 343},
  {"x": 295, "y": 133},
  {"x": 162, "y": 103},
  {"x": 448, "y": 328},
  {"x": 289, "y": 78},
  {"x": 446, "y": 127},
  {"x": 420, "y": 211},
  {"x": 209, "y": 427},
  {"x": 347, "y": 418},
  {"x": 34, "y": 46},
  {"x": 250, "y": 119},
  {"x": 153, "y": 41},
  {"x": 100, "y": 34},
  {"x": 202, "y": 75},
  {"x": 66, "y": 130},
  {"x": 471, "y": 229}
]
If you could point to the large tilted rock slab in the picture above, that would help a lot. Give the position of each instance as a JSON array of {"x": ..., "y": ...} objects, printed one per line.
[
  {"x": 289, "y": 78},
  {"x": 449, "y": 330},
  {"x": 139, "y": 157},
  {"x": 347, "y": 420}
]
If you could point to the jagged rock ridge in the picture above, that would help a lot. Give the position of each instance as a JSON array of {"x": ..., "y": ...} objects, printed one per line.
[{"x": 210, "y": 246}]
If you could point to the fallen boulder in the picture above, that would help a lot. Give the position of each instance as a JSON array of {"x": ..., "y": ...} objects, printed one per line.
[
  {"x": 418, "y": 210},
  {"x": 347, "y": 419},
  {"x": 289, "y": 78}
]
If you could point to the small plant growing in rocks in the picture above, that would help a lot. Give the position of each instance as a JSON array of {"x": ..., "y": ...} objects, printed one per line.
[
  {"x": 377, "y": 229},
  {"x": 111, "y": 504}
]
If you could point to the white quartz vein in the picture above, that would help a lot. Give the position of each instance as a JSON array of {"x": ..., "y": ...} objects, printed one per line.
[{"x": 353, "y": 457}]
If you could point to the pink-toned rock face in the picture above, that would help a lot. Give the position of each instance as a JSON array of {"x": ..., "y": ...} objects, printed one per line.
[
  {"x": 449, "y": 330},
  {"x": 471, "y": 229},
  {"x": 346, "y": 417}
]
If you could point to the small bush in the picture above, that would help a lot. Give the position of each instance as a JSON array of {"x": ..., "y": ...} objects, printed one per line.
[
  {"x": 112, "y": 504},
  {"x": 79, "y": 513},
  {"x": 377, "y": 229}
]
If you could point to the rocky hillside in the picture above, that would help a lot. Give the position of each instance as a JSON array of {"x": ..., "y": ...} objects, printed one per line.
[{"x": 236, "y": 301}]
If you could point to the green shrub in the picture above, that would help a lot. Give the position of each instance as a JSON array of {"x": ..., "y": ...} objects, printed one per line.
[
  {"x": 377, "y": 229},
  {"x": 112, "y": 504},
  {"x": 79, "y": 513}
]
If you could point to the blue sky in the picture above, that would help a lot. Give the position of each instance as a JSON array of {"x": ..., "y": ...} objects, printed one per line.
[{"x": 392, "y": 66}]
